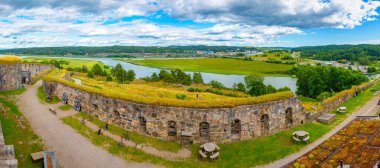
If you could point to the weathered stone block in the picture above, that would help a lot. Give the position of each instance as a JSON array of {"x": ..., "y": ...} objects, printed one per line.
[{"x": 326, "y": 118}]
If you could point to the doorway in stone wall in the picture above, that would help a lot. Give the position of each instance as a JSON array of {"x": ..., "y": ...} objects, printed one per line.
[
  {"x": 236, "y": 129},
  {"x": 143, "y": 125},
  {"x": 204, "y": 131},
  {"x": 264, "y": 120},
  {"x": 289, "y": 117}
]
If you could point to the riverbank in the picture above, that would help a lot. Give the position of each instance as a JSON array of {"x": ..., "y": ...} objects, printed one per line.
[{"x": 217, "y": 65}]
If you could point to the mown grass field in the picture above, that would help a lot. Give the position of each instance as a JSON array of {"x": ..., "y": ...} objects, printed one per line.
[
  {"x": 217, "y": 65},
  {"x": 242, "y": 154},
  {"x": 72, "y": 63},
  {"x": 271, "y": 56},
  {"x": 20, "y": 135}
]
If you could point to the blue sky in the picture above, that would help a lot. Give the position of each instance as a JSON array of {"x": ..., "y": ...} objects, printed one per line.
[{"x": 289, "y": 23}]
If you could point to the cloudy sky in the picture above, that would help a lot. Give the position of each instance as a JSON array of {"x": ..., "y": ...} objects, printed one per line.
[{"x": 33, "y": 23}]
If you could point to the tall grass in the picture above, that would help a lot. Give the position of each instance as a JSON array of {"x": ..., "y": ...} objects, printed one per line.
[
  {"x": 10, "y": 60},
  {"x": 147, "y": 95}
]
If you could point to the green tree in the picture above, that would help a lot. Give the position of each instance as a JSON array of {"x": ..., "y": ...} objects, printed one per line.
[
  {"x": 97, "y": 70},
  {"x": 187, "y": 80},
  {"x": 255, "y": 85},
  {"x": 216, "y": 84},
  {"x": 90, "y": 74},
  {"x": 84, "y": 68},
  {"x": 130, "y": 75},
  {"x": 109, "y": 78},
  {"x": 197, "y": 77},
  {"x": 154, "y": 77},
  {"x": 271, "y": 89},
  {"x": 239, "y": 87}
]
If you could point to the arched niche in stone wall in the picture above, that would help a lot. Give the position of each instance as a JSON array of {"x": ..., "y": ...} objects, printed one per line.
[
  {"x": 204, "y": 131},
  {"x": 236, "y": 129},
  {"x": 289, "y": 116},
  {"x": 172, "y": 128}
]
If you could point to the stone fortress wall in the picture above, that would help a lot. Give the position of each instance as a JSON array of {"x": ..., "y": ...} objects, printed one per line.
[
  {"x": 200, "y": 124},
  {"x": 333, "y": 105},
  {"x": 36, "y": 69},
  {"x": 12, "y": 76}
]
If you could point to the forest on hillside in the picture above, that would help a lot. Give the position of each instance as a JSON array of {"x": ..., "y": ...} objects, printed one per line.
[
  {"x": 361, "y": 53},
  {"x": 120, "y": 49}
]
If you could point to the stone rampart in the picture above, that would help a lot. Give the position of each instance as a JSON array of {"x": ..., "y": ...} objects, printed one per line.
[{"x": 173, "y": 123}]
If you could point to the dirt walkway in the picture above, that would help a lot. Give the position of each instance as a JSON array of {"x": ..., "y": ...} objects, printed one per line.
[
  {"x": 72, "y": 149},
  {"x": 368, "y": 109},
  {"x": 184, "y": 153}
]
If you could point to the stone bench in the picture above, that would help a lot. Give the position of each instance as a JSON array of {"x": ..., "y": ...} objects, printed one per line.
[{"x": 326, "y": 118}]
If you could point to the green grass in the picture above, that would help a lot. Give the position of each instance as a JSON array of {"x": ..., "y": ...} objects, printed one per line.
[
  {"x": 72, "y": 62},
  {"x": 136, "y": 137},
  {"x": 242, "y": 154},
  {"x": 217, "y": 65},
  {"x": 128, "y": 153},
  {"x": 13, "y": 92},
  {"x": 65, "y": 107},
  {"x": 42, "y": 97},
  {"x": 25, "y": 141}
]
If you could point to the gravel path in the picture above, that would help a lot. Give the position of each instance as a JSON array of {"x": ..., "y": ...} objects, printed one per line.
[
  {"x": 72, "y": 149},
  {"x": 181, "y": 154},
  {"x": 370, "y": 108}
]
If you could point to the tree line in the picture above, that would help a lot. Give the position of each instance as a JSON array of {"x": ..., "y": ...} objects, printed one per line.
[
  {"x": 363, "y": 53},
  {"x": 322, "y": 81}
]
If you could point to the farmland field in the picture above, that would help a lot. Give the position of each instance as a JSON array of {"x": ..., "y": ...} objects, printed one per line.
[{"x": 218, "y": 65}]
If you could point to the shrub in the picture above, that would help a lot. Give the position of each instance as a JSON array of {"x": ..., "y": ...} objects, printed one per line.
[
  {"x": 284, "y": 89},
  {"x": 181, "y": 96},
  {"x": 323, "y": 96},
  {"x": 216, "y": 84},
  {"x": 191, "y": 89},
  {"x": 90, "y": 74}
]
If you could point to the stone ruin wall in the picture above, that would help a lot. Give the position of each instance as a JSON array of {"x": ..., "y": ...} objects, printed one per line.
[
  {"x": 36, "y": 69},
  {"x": 127, "y": 114},
  {"x": 10, "y": 76},
  {"x": 338, "y": 102}
]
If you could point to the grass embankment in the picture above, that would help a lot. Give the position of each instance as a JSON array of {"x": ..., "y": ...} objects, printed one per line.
[
  {"x": 25, "y": 141},
  {"x": 42, "y": 96},
  {"x": 10, "y": 59},
  {"x": 148, "y": 93},
  {"x": 218, "y": 65},
  {"x": 242, "y": 154}
]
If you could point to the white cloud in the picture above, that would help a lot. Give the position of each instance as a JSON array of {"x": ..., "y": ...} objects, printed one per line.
[
  {"x": 288, "y": 13},
  {"x": 252, "y": 22}
]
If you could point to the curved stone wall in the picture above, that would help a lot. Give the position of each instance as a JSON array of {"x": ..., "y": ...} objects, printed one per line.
[
  {"x": 203, "y": 124},
  {"x": 10, "y": 76}
]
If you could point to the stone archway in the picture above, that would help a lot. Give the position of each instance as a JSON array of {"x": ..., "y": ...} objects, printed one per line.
[
  {"x": 172, "y": 128},
  {"x": 289, "y": 116},
  {"x": 264, "y": 120},
  {"x": 143, "y": 125},
  {"x": 236, "y": 129},
  {"x": 204, "y": 131}
]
